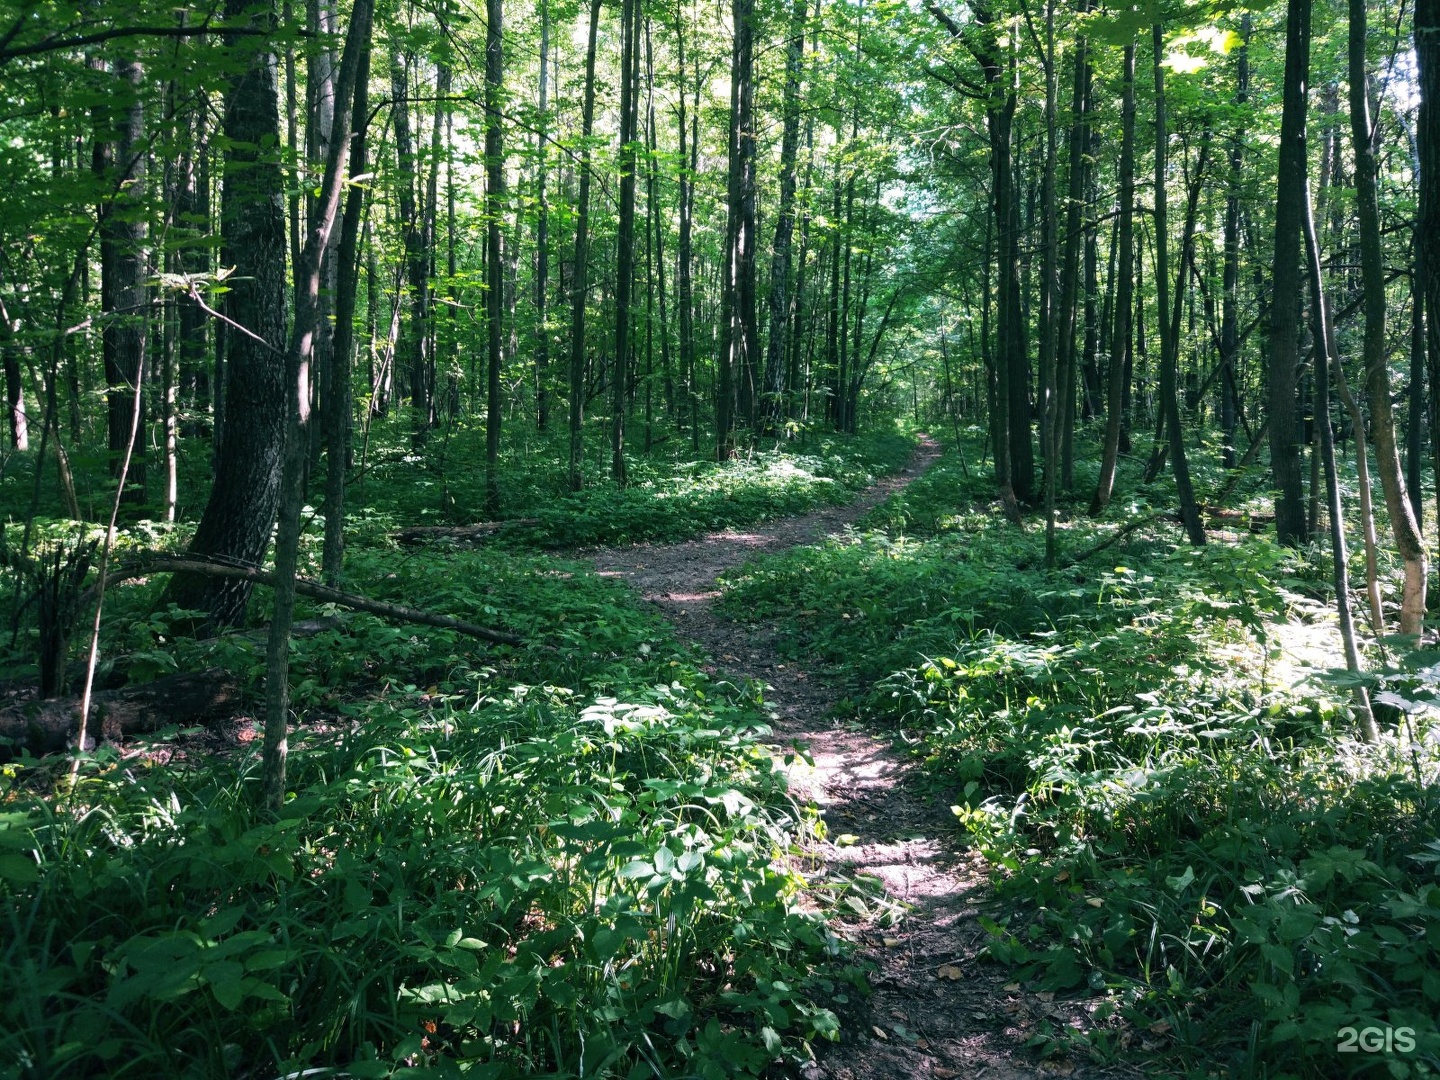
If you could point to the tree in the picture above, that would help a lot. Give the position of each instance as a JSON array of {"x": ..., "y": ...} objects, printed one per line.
[
  {"x": 300, "y": 354},
  {"x": 240, "y": 512},
  {"x": 1120, "y": 336},
  {"x": 1284, "y": 359},
  {"x": 495, "y": 261}
]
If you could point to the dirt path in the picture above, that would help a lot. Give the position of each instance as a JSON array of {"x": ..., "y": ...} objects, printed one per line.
[{"x": 937, "y": 1010}]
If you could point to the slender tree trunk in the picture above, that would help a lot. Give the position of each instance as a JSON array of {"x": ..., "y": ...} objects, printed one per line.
[
  {"x": 625, "y": 238},
  {"x": 685, "y": 260},
  {"x": 1124, "y": 284},
  {"x": 1062, "y": 453},
  {"x": 309, "y": 313},
  {"x": 1230, "y": 275},
  {"x": 1325, "y": 356},
  {"x": 776, "y": 350},
  {"x": 495, "y": 261},
  {"x": 652, "y": 206},
  {"x": 1403, "y": 524},
  {"x": 1284, "y": 358},
  {"x": 1170, "y": 323},
  {"x": 580, "y": 275},
  {"x": 124, "y": 267},
  {"x": 738, "y": 315},
  {"x": 338, "y": 411},
  {"x": 542, "y": 230}
]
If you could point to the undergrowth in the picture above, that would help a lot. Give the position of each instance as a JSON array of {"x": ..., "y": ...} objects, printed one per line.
[
  {"x": 1180, "y": 828},
  {"x": 566, "y": 859}
]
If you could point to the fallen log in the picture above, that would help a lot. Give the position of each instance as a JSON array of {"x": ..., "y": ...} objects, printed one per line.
[
  {"x": 156, "y": 562},
  {"x": 468, "y": 534},
  {"x": 184, "y": 700}
]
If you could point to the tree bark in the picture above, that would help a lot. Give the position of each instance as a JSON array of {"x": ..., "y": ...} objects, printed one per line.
[
  {"x": 1284, "y": 358},
  {"x": 1124, "y": 285},
  {"x": 123, "y": 268},
  {"x": 495, "y": 262},
  {"x": 241, "y": 510},
  {"x": 625, "y": 237},
  {"x": 1427, "y": 150},
  {"x": 738, "y": 315},
  {"x": 1324, "y": 356},
  {"x": 337, "y": 413},
  {"x": 580, "y": 277},
  {"x": 299, "y": 357},
  {"x": 1170, "y": 323},
  {"x": 1403, "y": 524},
  {"x": 776, "y": 351},
  {"x": 542, "y": 230},
  {"x": 46, "y": 727},
  {"x": 1230, "y": 274}
]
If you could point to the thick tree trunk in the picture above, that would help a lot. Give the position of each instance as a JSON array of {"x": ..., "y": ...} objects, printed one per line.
[
  {"x": 46, "y": 727},
  {"x": 1284, "y": 358},
  {"x": 1427, "y": 231},
  {"x": 240, "y": 513}
]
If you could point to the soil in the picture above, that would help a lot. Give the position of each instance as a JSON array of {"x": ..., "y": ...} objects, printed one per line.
[{"x": 937, "y": 1008}]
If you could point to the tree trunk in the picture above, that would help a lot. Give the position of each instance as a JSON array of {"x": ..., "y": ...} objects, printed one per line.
[
  {"x": 1427, "y": 151},
  {"x": 1170, "y": 323},
  {"x": 1324, "y": 356},
  {"x": 495, "y": 262},
  {"x": 580, "y": 275},
  {"x": 542, "y": 230},
  {"x": 240, "y": 513},
  {"x": 625, "y": 237},
  {"x": 1063, "y": 424},
  {"x": 1230, "y": 275},
  {"x": 337, "y": 413},
  {"x": 1403, "y": 525},
  {"x": 738, "y": 315},
  {"x": 1124, "y": 285},
  {"x": 46, "y": 727},
  {"x": 776, "y": 351},
  {"x": 1284, "y": 358},
  {"x": 124, "y": 267},
  {"x": 309, "y": 314}
]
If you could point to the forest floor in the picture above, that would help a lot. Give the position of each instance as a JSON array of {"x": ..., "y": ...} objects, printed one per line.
[{"x": 938, "y": 1008}]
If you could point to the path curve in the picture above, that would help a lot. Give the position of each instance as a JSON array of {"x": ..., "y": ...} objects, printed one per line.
[{"x": 937, "y": 1009}]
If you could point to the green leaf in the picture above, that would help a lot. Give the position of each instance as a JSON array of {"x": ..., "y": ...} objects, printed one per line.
[{"x": 18, "y": 868}]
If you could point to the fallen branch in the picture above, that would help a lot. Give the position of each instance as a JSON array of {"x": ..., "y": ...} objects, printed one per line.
[
  {"x": 191, "y": 564},
  {"x": 1117, "y": 536},
  {"x": 44, "y": 727},
  {"x": 464, "y": 533}
]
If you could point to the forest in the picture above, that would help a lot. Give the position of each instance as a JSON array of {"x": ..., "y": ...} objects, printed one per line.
[{"x": 837, "y": 539}]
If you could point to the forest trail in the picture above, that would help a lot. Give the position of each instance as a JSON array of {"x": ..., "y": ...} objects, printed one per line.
[{"x": 938, "y": 1010}]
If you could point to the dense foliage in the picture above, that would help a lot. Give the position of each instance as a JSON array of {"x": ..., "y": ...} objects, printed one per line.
[{"x": 1181, "y": 822}]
